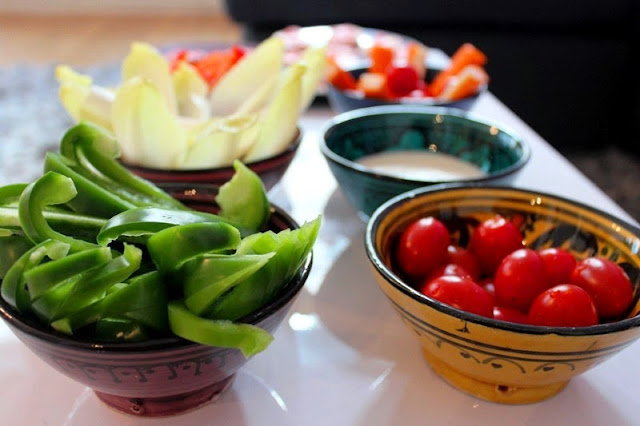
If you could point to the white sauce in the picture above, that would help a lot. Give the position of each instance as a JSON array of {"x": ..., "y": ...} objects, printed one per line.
[{"x": 419, "y": 165}]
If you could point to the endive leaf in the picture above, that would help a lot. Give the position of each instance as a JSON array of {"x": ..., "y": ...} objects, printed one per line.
[
  {"x": 219, "y": 142},
  {"x": 82, "y": 100},
  {"x": 149, "y": 134},
  {"x": 146, "y": 62},
  {"x": 280, "y": 120},
  {"x": 247, "y": 76},
  {"x": 191, "y": 91},
  {"x": 315, "y": 61}
]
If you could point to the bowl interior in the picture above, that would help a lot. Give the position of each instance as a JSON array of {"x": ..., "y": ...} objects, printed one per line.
[
  {"x": 352, "y": 136},
  {"x": 545, "y": 220}
]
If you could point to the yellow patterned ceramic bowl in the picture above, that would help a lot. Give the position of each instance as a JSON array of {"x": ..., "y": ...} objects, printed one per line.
[{"x": 495, "y": 360}]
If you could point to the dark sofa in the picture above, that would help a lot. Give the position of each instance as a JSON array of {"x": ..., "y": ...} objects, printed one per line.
[{"x": 567, "y": 68}]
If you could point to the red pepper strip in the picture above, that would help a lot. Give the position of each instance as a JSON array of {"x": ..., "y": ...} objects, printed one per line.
[
  {"x": 249, "y": 339},
  {"x": 209, "y": 277},
  {"x": 291, "y": 248},
  {"x": 46, "y": 276},
  {"x": 143, "y": 299},
  {"x": 13, "y": 289},
  {"x": 51, "y": 188},
  {"x": 92, "y": 152},
  {"x": 171, "y": 247}
]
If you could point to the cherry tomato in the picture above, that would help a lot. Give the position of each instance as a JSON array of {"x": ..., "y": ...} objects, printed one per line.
[
  {"x": 422, "y": 247},
  {"x": 558, "y": 265},
  {"x": 402, "y": 80},
  {"x": 519, "y": 279},
  {"x": 461, "y": 293},
  {"x": 606, "y": 282},
  {"x": 464, "y": 258},
  {"x": 449, "y": 269},
  {"x": 565, "y": 305},
  {"x": 492, "y": 240},
  {"x": 503, "y": 313},
  {"x": 488, "y": 286}
]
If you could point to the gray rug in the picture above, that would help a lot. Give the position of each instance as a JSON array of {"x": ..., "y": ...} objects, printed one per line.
[{"x": 32, "y": 122}]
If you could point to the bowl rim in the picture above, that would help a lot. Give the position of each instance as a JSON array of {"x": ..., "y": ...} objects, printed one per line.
[
  {"x": 373, "y": 255},
  {"x": 380, "y": 110},
  {"x": 289, "y": 150},
  {"x": 34, "y": 328}
]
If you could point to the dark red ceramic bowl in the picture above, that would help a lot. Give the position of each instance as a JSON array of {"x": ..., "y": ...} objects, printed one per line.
[
  {"x": 269, "y": 169},
  {"x": 157, "y": 377}
]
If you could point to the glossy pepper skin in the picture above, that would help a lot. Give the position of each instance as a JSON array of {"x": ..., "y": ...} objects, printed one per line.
[{"x": 93, "y": 250}]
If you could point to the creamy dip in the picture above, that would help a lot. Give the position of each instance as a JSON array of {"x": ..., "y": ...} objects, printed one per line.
[{"x": 419, "y": 165}]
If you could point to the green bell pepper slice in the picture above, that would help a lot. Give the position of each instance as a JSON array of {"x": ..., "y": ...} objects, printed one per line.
[
  {"x": 93, "y": 153},
  {"x": 169, "y": 248},
  {"x": 92, "y": 285},
  {"x": 209, "y": 277},
  {"x": 50, "y": 188},
  {"x": 46, "y": 276},
  {"x": 291, "y": 248},
  {"x": 249, "y": 339},
  {"x": 12, "y": 247},
  {"x": 13, "y": 289},
  {"x": 119, "y": 330},
  {"x": 92, "y": 199},
  {"x": 144, "y": 221},
  {"x": 142, "y": 299},
  {"x": 243, "y": 199}
]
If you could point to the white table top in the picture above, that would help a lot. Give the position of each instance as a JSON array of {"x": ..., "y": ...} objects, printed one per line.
[{"x": 343, "y": 357}]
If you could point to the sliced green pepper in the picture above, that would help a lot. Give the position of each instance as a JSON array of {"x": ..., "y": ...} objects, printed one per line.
[
  {"x": 93, "y": 153},
  {"x": 12, "y": 247},
  {"x": 93, "y": 285},
  {"x": 149, "y": 220},
  {"x": 119, "y": 330},
  {"x": 171, "y": 247},
  {"x": 46, "y": 276},
  {"x": 92, "y": 199},
  {"x": 143, "y": 299},
  {"x": 243, "y": 199},
  {"x": 249, "y": 339},
  {"x": 10, "y": 194},
  {"x": 13, "y": 288},
  {"x": 208, "y": 277},
  {"x": 51, "y": 188},
  {"x": 291, "y": 249}
]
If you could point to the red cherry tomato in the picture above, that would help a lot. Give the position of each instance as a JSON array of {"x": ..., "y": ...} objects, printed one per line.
[
  {"x": 606, "y": 282},
  {"x": 488, "y": 286},
  {"x": 565, "y": 305},
  {"x": 464, "y": 258},
  {"x": 422, "y": 247},
  {"x": 558, "y": 265},
  {"x": 461, "y": 293},
  {"x": 449, "y": 269},
  {"x": 492, "y": 240},
  {"x": 519, "y": 279},
  {"x": 402, "y": 80},
  {"x": 503, "y": 313}
]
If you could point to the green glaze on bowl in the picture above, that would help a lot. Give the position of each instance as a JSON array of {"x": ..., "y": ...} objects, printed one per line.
[{"x": 352, "y": 135}]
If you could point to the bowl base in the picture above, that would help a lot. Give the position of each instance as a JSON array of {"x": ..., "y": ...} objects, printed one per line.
[
  {"x": 168, "y": 405},
  {"x": 494, "y": 392}
]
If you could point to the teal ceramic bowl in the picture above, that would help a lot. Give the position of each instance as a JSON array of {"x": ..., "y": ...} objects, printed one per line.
[{"x": 457, "y": 137}]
